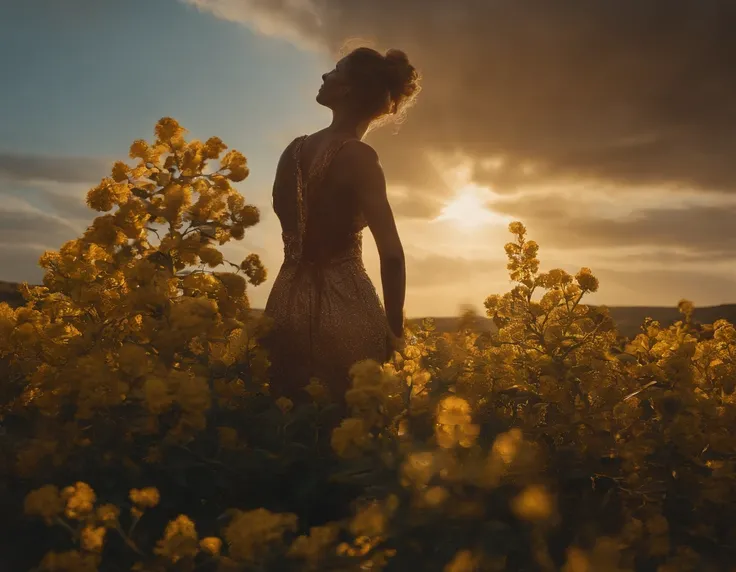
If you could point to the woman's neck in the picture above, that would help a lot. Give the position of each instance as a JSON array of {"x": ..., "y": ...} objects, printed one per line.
[{"x": 344, "y": 124}]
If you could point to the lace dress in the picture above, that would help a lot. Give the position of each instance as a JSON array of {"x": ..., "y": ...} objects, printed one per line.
[{"x": 325, "y": 310}]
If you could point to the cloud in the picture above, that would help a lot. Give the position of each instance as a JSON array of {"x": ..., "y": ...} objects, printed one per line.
[
  {"x": 704, "y": 231},
  {"x": 20, "y": 168},
  {"x": 42, "y": 205},
  {"x": 615, "y": 91},
  {"x": 29, "y": 227},
  {"x": 19, "y": 263}
]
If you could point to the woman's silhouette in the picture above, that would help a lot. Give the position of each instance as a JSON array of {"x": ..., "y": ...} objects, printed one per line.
[{"x": 328, "y": 187}]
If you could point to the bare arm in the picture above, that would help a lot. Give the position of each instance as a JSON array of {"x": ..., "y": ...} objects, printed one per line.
[
  {"x": 281, "y": 181},
  {"x": 366, "y": 175}
]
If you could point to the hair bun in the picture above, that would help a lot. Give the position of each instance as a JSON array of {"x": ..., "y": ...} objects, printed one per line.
[{"x": 403, "y": 78}]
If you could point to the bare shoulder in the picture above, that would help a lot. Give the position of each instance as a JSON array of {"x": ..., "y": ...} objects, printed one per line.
[{"x": 359, "y": 154}]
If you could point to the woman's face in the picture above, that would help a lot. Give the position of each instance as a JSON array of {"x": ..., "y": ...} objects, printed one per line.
[{"x": 335, "y": 87}]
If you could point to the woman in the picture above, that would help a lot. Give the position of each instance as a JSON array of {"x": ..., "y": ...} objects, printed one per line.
[{"x": 329, "y": 186}]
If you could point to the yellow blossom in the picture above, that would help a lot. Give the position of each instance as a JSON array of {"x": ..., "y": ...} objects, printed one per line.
[
  {"x": 507, "y": 445},
  {"x": 317, "y": 391},
  {"x": 250, "y": 534},
  {"x": 311, "y": 547},
  {"x": 139, "y": 149},
  {"x": 180, "y": 540},
  {"x": 213, "y": 147},
  {"x": 156, "y": 394},
  {"x": 350, "y": 438},
  {"x": 464, "y": 561},
  {"x": 228, "y": 437},
  {"x": 80, "y": 500},
  {"x": 45, "y": 502},
  {"x": 108, "y": 515},
  {"x": 147, "y": 497},
  {"x": 534, "y": 503},
  {"x": 284, "y": 404},
  {"x": 211, "y": 256},
  {"x": 211, "y": 545},
  {"x": 119, "y": 171},
  {"x": 93, "y": 538},
  {"x": 586, "y": 280},
  {"x": 454, "y": 426},
  {"x": 133, "y": 360},
  {"x": 168, "y": 128}
]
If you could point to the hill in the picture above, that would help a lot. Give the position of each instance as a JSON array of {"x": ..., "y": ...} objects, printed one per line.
[{"x": 627, "y": 318}]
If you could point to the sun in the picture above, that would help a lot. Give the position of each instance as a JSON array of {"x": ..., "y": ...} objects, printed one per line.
[{"x": 468, "y": 209}]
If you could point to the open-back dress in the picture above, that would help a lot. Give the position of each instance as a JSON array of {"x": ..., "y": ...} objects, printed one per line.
[{"x": 326, "y": 312}]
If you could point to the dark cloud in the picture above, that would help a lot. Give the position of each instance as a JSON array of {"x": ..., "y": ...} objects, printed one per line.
[
  {"x": 19, "y": 263},
  {"x": 631, "y": 92},
  {"x": 708, "y": 232},
  {"x": 26, "y": 227},
  {"x": 25, "y": 167}
]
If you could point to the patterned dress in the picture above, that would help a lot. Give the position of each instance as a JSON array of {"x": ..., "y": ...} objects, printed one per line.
[{"x": 325, "y": 310}]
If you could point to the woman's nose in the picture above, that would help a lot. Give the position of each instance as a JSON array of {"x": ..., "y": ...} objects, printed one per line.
[{"x": 324, "y": 76}]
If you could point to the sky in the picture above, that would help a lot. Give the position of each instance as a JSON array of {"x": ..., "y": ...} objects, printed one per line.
[{"x": 608, "y": 128}]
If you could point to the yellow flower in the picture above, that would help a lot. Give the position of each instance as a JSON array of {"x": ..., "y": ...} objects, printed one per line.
[
  {"x": 212, "y": 545},
  {"x": 228, "y": 437},
  {"x": 453, "y": 410},
  {"x": 180, "y": 540},
  {"x": 193, "y": 394},
  {"x": 156, "y": 394},
  {"x": 418, "y": 469},
  {"x": 93, "y": 538},
  {"x": 454, "y": 425},
  {"x": 517, "y": 228},
  {"x": 350, "y": 438},
  {"x": 464, "y": 561},
  {"x": 237, "y": 164},
  {"x": 577, "y": 561},
  {"x": 234, "y": 283},
  {"x": 108, "y": 515},
  {"x": 72, "y": 560},
  {"x": 506, "y": 445},
  {"x": 120, "y": 171},
  {"x": 250, "y": 534},
  {"x": 534, "y": 503},
  {"x": 284, "y": 404},
  {"x": 100, "y": 198},
  {"x": 176, "y": 198},
  {"x": 147, "y": 497},
  {"x": 312, "y": 547},
  {"x": 254, "y": 269},
  {"x": 133, "y": 360},
  {"x": 372, "y": 519},
  {"x": 211, "y": 256},
  {"x": 586, "y": 280},
  {"x": 213, "y": 147},
  {"x": 45, "y": 502},
  {"x": 80, "y": 500},
  {"x": 317, "y": 390},
  {"x": 139, "y": 149},
  {"x": 168, "y": 128}
]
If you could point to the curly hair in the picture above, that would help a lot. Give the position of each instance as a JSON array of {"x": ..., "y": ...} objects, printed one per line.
[{"x": 386, "y": 85}]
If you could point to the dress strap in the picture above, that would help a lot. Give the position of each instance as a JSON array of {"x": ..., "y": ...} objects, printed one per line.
[{"x": 301, "y": 218}]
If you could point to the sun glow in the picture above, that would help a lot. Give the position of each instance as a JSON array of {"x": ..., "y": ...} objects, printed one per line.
[{"x": 468, "y": 209}]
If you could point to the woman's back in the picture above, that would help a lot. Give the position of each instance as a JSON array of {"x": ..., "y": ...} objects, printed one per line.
[
  {"x": 329, "y": 206},
  {"x": 326, "y": 312}
]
